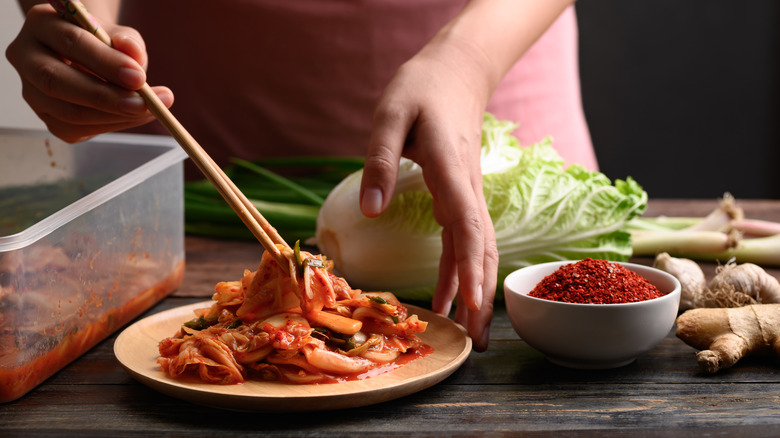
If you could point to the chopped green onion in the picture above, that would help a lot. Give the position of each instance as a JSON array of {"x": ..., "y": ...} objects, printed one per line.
[
  {"x": 234, "y": 324},
  {"x": 200, "y": 323},
  {"x": 297, "y": 250},
  {"x": 379, "y": 300}
]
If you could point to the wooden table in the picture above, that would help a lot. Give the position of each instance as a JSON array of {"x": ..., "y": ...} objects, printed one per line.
[{"x": 509, "y": 389}]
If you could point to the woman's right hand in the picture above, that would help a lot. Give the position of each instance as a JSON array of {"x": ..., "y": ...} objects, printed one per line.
[{"x": 76, "y": 84}]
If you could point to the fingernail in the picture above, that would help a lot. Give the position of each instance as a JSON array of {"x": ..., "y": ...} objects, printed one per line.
[
  {"x": 445, "y": 309},
  {"x": 485, "y": 337},
  {"x": 131, "y": 78},
  {"x": 133, "y": 105},
  {"x": 371, "y": 202},
  {"x": 478, "y": 298}
]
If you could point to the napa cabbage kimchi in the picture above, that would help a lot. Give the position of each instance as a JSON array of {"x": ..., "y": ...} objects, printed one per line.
[{"x": 295, "y": 324}]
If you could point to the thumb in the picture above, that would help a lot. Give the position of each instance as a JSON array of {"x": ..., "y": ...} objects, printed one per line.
[{"x": 380, "y": 173}]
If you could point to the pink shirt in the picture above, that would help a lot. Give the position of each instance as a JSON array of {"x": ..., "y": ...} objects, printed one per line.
[{"x": 258, "y": 78}]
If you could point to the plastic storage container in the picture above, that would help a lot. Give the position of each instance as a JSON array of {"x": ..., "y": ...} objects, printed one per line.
[{"x": 91, "y": 235}]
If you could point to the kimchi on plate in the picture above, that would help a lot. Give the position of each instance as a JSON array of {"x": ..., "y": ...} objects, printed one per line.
[{"x": 295, "y": 324}]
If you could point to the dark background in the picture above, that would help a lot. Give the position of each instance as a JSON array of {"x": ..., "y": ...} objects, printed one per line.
[{"x": 684, "y": 96}]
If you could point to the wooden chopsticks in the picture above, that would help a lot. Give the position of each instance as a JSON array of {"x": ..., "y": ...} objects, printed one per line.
[{"x": 74, "y": 11}]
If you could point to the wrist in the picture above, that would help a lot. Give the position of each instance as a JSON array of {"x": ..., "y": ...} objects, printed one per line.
[
  {"x": 467, "y": 52},
  {"x": 466, "y": 60},
  {"x": 499, "y": 32}
]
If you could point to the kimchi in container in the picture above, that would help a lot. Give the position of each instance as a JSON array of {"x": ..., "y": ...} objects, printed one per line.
[{"x": 91, "y": 235}]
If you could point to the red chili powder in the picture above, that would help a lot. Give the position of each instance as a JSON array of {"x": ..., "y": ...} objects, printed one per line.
[{"x": 592, "y": 281}]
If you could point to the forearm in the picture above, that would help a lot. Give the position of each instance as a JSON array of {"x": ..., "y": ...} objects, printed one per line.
[
  {"x": 500, "y": 31},
  {"x": 105, "y": 11}
]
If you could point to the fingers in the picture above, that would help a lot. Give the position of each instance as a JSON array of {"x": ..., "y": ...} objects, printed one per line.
[
  {"x": 73, "y": 123},
  {"x": 44, "y": 31},
  {"x": 469, "y": 269},
  {"x": 388, "y": 136},
  {"x": 463, "y": 245},
  {"x": 128, "y": 41},
  {"x": 478, "y": 326},
  {"x": 447, "y": 284},
  {"x": 469, "y": 261},
  {"x": 59, "y": 81},
  {"x": 75, "y": 83},
  {"x": 71, "y": 134},
  {"x": 477, "y": 323},
  {"x": 82, "y": 48}
]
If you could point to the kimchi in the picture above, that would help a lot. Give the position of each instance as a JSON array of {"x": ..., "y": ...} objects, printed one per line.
[{"x": 298, "y": 324}]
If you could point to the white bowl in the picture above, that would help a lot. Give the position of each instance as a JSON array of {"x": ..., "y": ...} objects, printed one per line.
[{"x": 590, "y": 336}]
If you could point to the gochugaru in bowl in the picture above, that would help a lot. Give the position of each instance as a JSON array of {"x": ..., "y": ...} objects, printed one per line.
[{"x": 609, "y": 331}]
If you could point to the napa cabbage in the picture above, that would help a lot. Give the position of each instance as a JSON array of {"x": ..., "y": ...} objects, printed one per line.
[{"x": 541, "y": 210}]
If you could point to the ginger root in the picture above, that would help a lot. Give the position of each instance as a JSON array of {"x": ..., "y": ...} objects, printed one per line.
[{"x": 725, "y": 335}]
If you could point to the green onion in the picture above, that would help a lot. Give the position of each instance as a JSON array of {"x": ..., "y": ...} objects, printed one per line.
[
  {"x": 289, "y": 196},
  {"x": 200, "y": 323},
  {"x": 379, "y": 300},
  {"x": 284, "y": 182},
  {"x": 297, "y": 250},
  {"x": 234, "y": 324}
]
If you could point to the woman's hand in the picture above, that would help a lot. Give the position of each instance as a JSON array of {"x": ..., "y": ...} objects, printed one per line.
[
  {"x": 75, "y": 83},
  {"x": 431, "y": 112}
]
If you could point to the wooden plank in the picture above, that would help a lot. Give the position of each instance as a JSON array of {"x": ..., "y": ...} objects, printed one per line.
[
  {"x": 210, "y": 261},
  {"x": 445, "y": 410}
]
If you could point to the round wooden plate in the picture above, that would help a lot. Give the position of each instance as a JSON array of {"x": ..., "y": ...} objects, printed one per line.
[{"x": 136, "y": 349}]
